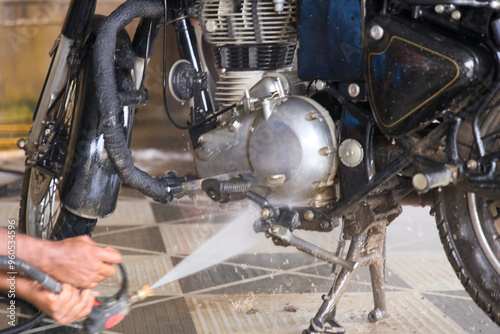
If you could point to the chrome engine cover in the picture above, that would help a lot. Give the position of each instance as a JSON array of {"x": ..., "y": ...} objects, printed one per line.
[{"x": 288, "y": 142}]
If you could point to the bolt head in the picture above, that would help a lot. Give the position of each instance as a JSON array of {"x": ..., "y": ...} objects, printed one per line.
[
  {"x": 376, "y": 32},
  {"x": 456, "y": 15},
  {"x": 312, "y": 116},
  {"x": 353, "y": 90},
  {"x": 309, "y": 215},
  {"x": 21, "y": 143},
  {"x": 234, "y": 125},
  {"x": 439, "y": 9},
  {"x": 275, "y": 228},
  {"x": 265, "y": 213},
  {"x": 472, "y": 164},
  {"x": 320, "y": 85}
]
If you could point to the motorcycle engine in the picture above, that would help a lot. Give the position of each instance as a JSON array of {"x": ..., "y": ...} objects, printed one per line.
[
  {"x": 246, "y": 39},
  {"x": 287, "y": 141}
]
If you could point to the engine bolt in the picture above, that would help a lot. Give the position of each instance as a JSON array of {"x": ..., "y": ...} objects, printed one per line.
[
  {"x": 320, "y": 85},
  {"x": 456, "y": 15},
  {"x": 376, "y": 32},
  {"x": 439, "y": 9},
  {"x": 234, "y": 125},
  {"x": 354, "y": 227},
  {"x": 275, "y": 228},
  {"x": 326, "y": 151},
  {"x": 353, "y": 90},
  {"x": 211, "y": 25},
  {"x": 309, "y": 215},
  {"x": 472, "y": 164},
  {"x": 47, "y": 132},
  {"x": 21, "y": 143},
  {"x": 311, "y": 116},
  {"x": 265, "y": 213}
]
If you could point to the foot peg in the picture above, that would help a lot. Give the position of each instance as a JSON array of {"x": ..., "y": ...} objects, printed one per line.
[{"x": 439, "y": 177}]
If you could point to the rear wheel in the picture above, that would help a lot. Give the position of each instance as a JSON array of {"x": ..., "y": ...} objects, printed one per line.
[{"x": 469, "y": 226}]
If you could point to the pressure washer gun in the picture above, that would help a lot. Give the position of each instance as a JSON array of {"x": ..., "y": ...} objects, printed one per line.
[{"x": 108, "y": 312}]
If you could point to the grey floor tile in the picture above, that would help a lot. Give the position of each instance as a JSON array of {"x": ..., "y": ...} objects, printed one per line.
[
  {"x": 167, "y": 317},
  {"x": 274, "y": 261},
  {"x": 105, "y": 229}
]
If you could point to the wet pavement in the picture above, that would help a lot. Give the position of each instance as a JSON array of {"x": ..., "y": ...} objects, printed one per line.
[{"x": 267, "y": 289}]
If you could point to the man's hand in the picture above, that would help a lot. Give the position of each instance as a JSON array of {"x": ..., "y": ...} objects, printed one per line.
[
  {"x": 68, "y": 306},
  {"x": 80, "y": 262}
]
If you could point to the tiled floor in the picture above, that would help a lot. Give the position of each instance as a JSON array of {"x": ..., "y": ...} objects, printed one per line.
[
  {"x": 269, "y": 289},
  {"x": 266, "y": 289}
]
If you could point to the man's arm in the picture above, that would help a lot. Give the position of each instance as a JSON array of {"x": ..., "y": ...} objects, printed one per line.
[
  {"x": 66, "y": 307},
  {"x": 76, "y": 261}
]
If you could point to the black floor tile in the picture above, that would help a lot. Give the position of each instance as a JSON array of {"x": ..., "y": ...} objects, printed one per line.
[
  {"x": 216, "y": 275},
  {"x": 279, "y": 284},
  {"x": 146, "y": 238},
  {"x": 165, "y": 213}
]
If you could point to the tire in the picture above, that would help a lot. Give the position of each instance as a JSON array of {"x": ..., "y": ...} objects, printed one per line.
[
  {"x": 47, "y": 219},
  {"x": 469, "y": 227},
  {"x": 41, "y": 214}
]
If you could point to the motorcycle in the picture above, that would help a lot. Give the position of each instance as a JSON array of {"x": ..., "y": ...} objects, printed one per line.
[{"x": 347, "y": 109}]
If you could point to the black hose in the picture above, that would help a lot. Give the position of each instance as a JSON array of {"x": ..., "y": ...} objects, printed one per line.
[
  {"x": 45, "y": 280},
  {"x": 109, "y": 102},
  {"x": 26, "y": 326}
]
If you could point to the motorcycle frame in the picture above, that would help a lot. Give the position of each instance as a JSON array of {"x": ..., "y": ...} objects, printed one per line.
[{"x": 74, "y": 34}]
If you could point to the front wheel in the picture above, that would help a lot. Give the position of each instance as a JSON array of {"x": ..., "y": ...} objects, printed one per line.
[{"x": 41, "y": 215}]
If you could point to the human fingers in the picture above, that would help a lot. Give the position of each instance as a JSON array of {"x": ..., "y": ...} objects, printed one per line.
[
  {"x": 83, "y": 306},
  {"x": 109, "y": 255},
  {"x": 79, "y": 306},
  {"x": 106, "y": 270},
  {"x": 65, "y": 304},
  {"x": 89, "y": 305}
]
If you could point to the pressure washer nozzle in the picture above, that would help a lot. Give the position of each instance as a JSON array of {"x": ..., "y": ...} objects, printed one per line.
[{"x": 141, "y": 294}]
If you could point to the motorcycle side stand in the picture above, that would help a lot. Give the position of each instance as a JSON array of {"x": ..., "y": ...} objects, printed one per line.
[{"x": 368, "y": 249}]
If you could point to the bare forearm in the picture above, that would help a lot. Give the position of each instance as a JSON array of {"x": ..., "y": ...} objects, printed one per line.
[
  {"x": 15, "y": 286},
  {"x": 24, "y": 247}
]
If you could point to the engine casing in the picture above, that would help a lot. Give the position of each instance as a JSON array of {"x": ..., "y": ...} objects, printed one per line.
[{"x": 288, "y": 142}]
